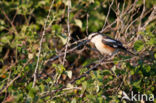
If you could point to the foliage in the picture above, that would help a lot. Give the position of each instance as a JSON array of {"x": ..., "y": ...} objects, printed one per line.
[{"x": 21, "y": 29}]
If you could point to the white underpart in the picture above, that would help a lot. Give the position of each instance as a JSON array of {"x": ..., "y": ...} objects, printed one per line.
[{"x": 97, "y": 40}]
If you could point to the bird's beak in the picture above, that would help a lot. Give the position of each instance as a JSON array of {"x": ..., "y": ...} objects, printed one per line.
[
  {"x": 90, "y": 43},
  {"x": 87, "y": 41}
]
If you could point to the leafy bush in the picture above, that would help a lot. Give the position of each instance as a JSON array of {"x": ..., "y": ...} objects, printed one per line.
[{"x": 38, "y": 62}]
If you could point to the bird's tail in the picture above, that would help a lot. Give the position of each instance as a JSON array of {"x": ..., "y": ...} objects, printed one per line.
[
  {"x": 130, "y": 53},
  {"x": 124, "y": 49}
]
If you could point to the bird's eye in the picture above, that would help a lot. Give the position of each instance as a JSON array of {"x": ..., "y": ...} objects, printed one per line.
[{"x": 94, "y": 35}]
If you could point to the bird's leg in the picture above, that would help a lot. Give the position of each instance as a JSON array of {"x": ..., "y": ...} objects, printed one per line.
[
  {"x": 100, "y": 56},
  {"x": 114, "y": 54},
  {"x": 94, "y": 49}
]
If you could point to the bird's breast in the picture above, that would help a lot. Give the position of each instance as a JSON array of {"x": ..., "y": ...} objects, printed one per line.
[{"x": 104, "y": 49}]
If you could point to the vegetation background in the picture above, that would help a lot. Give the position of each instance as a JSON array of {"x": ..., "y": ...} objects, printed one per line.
[{"x": 43, "y": 56}]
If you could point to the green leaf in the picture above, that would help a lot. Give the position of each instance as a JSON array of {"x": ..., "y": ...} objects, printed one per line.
[
  {"x": 1, "y": 49},
  {"x": 69, "y": 74},
  {"x": 148, "y": 69},
  {"x": 6, "y": 39},
  {"x": 73, "y": 100},
  {"x": 137, "y": 84},
  {"x": 152, "y": 41},
  {"x": 155, "y": 55},
  {"x": 139, "y": 45},
  {"x": 67, "y": 2},
  {"x": 69, "y": 85},
  {"x": 59, "y": 68},
  {"x": 107, "y": 72},
  {"x": 63, "y": 38},
  {"x": 42, "y": 87},
  {"x": 2, "y": 25},
  {"x": 88, "y": 61},
  {"x": 78, "y": 22},
  {"x": 84, "y": 85}
]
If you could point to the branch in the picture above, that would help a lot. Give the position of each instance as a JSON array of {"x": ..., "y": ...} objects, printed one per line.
[
  {"x": 11, "y": 23},
  {"x": 8, "y": 84},
  {"x": 40, "y": 48},
  {"x": 68, "y": 26},
  {"x": 107, "y": 15},
  {"x": 141, "y": 16},
  {"x": 82, "y": 42},
  {"x": 87, "y": 23},
  {"x": 12, "y": 81},
  {"x": 151, "y": 17}
]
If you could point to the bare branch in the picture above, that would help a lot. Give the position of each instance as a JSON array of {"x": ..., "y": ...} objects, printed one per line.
[
  {"x": 150, "y": 18},
  {"x": 38, "y": 58},
  {"x": 87, "y": 24},
  {"x": 107, "y": 15},
  {"x": 68, "y": 26},
  {"x": 13, "y": 80},
  {"x": 11, "y": 22},
  {"x": 141, "y": 16},
  {"x": 82, "y": 42},
  {"x": 8, "y": 84}
]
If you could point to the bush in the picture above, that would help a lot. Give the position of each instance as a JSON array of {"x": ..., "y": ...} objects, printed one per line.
[{"x": 44, "y": 57}]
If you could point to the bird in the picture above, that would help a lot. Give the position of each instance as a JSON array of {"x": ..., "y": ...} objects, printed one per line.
[{"x": 106, "y": 45}]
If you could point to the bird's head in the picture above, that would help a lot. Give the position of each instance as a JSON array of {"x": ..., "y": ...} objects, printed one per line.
[{"x": 92, "y": 35}]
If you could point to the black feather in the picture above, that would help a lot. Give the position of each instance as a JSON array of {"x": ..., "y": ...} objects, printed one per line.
[{"x": 116, "y": 44}]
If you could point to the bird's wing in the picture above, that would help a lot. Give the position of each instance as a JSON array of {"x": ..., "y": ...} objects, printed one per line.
[
  {"x": 112, "y": 43},
  {"x": 115, "y": 44}
]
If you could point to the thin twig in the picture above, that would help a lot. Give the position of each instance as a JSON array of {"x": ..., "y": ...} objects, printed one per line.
[
  {"x": 108, "y": 26},
  {"x": 68, "y": 51},
  {"x": 65, "y": 93},
  {"x": 8, "y": 84},
  {"x": 141, "y": 16},
  {"x": 87, "y": 24},
  {"x": 38, "y": 58},
  {"x": 11, "y": 23},
  {"x": 13, "y": 80},
  {"x": 150, "y": 18},
  {"x": 68, "y": 26},
  {"x": 130, "y": 25},
  {"x": 107, "y": 15}
]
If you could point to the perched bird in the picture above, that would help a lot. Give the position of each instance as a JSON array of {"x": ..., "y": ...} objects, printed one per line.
[{"x": 106, "y": 45}]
